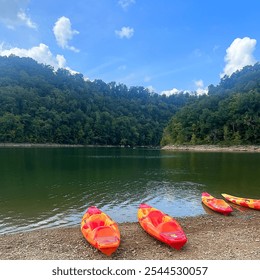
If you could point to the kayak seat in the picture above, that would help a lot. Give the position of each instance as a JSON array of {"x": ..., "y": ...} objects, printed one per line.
[
  {"x": 105, "y": 234},
  {"x": 168, "y": 227},
  {"x": 156, "y": 217},
  {"x": 96, "y": 223}
]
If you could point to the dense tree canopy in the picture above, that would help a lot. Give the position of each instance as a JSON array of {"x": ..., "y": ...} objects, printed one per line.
[
  {"x": 229, "y": 115},
  {"x": 40, "y": 105}
]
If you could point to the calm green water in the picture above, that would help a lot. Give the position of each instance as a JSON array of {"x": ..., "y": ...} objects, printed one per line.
[{"x": 51, "y": 187}]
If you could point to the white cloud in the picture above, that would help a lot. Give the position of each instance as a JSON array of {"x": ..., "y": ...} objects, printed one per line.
[
  {"x": 64, "y": 33},
  {"x": 12, "y": 13},
  {"x": 125, "y": 32},
  {"x": 238, "y": 55},
  {"x": 200, "y": 88},
  {"x": 171, "y": 91},
  {"x": 41, "y": 54},
  {"x": 202, "y": 91},
  {"x": 151, "y": 89},
  {"x": 61, "y": 61},
  {"x": 24, "y": 18},
  {"x": 199, "y": 83},
  {"x": 125, "y": 3}
]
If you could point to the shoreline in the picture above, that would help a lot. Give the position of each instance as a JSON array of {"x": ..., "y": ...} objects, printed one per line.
[
  {"x": 55, "y": 145},
  {"x": 210, "y": 237},
  {"x": 195, "y": 148},
  {"x": 213, "y": 148}
]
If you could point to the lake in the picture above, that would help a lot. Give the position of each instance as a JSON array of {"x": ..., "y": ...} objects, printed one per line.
[{"x": 53, "y": 187}]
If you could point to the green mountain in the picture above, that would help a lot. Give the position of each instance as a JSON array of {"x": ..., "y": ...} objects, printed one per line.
[
  {"x": 229, "y": 115},
  {"x": 40, "y": 105}
]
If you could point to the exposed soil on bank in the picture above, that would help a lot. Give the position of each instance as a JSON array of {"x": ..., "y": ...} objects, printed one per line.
[
  {"x": 212, "y": 148},
  {"x": 211, "y": 236}
]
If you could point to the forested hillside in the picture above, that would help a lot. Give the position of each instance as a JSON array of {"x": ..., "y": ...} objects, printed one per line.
[
  {"x": 40, "y": 105},
  {"x": 229, "y": 115}
]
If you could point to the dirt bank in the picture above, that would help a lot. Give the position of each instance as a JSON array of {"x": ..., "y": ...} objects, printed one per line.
[
  {"x": 210, "y": 236},
  {"x": 212, "y": 148}
]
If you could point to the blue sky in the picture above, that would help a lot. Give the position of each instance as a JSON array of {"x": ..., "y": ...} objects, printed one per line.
[{"x": 166, "y": 45}]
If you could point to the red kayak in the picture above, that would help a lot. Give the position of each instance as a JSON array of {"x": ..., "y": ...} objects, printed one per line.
[
  {"x": 217, "y": 205},
  {"x": 161, "y": 226}
]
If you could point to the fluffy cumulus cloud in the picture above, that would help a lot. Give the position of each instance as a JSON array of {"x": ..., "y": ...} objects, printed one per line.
[
  {"x": 200, "y": 89},
  {"x": 13, "y": 13},
  {"x": 238, "y": 55},
  {"x": 125, "y": 32},
  {"x": 171, "y": 91},
  {"x": 64, "y": 33},
  {"x": 125, "y": 3},
  {"x": 199, "y": 85},
  {"x": 40, "y": 53}
]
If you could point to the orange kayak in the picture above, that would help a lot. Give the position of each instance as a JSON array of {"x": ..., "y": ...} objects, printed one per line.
[
  {"x": 246, "y": 202},
  {"x": 100, "y": 230},
  {"x": 161, "y": 226},
  {"x": 218, "y": 205}
]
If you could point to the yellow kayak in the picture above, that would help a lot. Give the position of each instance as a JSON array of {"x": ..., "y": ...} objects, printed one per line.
[{"x": 246, "y": 202}]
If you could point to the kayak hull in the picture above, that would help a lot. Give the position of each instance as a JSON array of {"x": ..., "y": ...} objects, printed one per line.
[
  {"x": 100, "y": 231},
  {"x": 161, "y": 226},
  {"x": 217, "y": 205},
  {"x": 246, "y": 202}
]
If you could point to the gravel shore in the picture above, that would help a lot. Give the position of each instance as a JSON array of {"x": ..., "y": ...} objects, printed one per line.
[
  {"x": 211, "y": 236},
  {"x": 212, "y": 148}
]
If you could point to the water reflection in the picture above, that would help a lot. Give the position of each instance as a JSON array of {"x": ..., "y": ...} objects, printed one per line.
[{"x": 53, "y": 187}]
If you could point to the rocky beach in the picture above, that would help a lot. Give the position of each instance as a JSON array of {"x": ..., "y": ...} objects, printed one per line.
[{"x": 210, "y": 237}]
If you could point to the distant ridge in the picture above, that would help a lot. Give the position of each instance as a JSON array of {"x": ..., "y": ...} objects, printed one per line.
[{"x": 229, "y": 115}]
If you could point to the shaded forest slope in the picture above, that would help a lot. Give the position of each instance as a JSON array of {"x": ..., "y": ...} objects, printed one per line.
[
  {"x": 40, "y": 105},
  {"x": 228, "y": 115}
]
